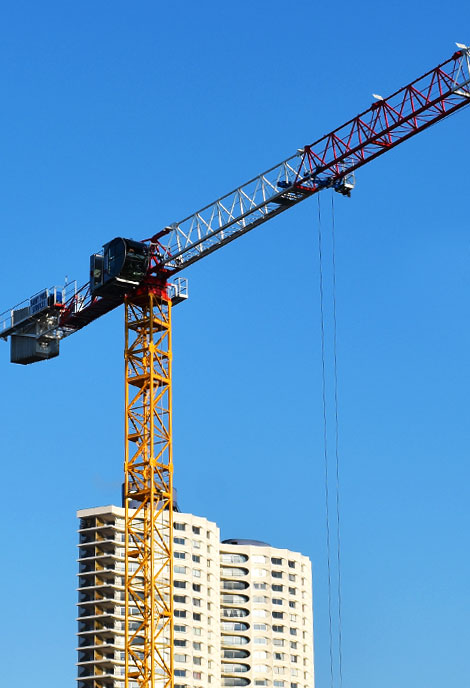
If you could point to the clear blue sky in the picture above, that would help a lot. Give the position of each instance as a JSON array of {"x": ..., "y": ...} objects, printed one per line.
[{"x": 118, "y": 118}]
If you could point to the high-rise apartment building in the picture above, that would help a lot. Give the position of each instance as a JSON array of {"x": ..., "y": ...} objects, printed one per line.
[{"x": 243, "y": 609}]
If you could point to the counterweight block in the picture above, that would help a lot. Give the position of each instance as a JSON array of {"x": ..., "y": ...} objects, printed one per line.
[{"x": 26, "y": 349}]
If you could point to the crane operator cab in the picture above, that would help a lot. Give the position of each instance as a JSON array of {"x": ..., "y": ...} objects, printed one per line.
[{"x": 119, "y": 268}]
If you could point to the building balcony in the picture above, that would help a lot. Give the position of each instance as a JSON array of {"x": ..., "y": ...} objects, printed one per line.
[
  {"x": 101, "y": 662},
  {"x": 102, "y": 630},
  {"x": 234, "y": 668},
  {"x": 90, "y": 523},
  {"x": 98, "y": 644},
  {"x": 111, "y": 540},
  {"x": 101, "y": 556},
  {"x": 98, "y": 598},
  {"x": 105, "y": 579},
  {"x": 98, "y": 673}
]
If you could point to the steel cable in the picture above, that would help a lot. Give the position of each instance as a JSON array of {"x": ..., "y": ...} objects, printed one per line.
[
  {"x": 335, "y": 367},
  {"x": 325, "y": 436}
]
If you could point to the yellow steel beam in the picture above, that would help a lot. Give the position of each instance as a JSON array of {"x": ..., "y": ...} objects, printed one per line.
[{"x": 148, "y": 492}]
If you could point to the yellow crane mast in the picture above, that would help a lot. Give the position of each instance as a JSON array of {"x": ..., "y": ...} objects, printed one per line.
[{"x": 148, "y": 490}]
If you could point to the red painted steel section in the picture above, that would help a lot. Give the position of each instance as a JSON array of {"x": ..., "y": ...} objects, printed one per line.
[{"x": 385, "y": 124}]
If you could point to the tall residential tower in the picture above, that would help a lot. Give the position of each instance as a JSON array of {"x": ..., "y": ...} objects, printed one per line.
[{"x": 243, "y": 609}]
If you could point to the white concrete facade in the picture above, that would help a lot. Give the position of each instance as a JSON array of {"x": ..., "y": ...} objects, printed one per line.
[{"x": 243, "y": 611}]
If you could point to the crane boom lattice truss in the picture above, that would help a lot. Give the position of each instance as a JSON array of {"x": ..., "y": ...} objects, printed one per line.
[
  {"x": 327, "y": 162},
  {"x": 36, "y": 326}
]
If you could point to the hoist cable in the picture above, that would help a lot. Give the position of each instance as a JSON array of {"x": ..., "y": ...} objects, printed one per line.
[
  {"x": 335, "y": 366},
  {"x": 325, "y": 436}
]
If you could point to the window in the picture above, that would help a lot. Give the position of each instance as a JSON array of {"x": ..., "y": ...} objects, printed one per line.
[
  {"x": 278, "y": 629},
  {"x": 197, "y": 631},
  {"x": 180, "y": 643},
  {"x": 261, "y": 641},
  {"x": 197, "y": 646},
  {"x": 276, "y": 574},
  {"x": 179, "y": 540},
  {"x": 277, "y": 588},
  {"x": 260, "y": 654},
  {"x": 180, "y": 613},
  {"x": 235, "y": 639},
  {"x": 294, "y": 685},
  {"x": 196, "y": 530},
  {"x": 260, "y": 627},
  {"x": 258, "y": 559},
  {"x": 196, "y": 573},
  {"x": 294, "y": 672},
  {"x": 180, "y": 555},
  {"x": 292, "y": 604},
  {"x": 238, "y": 612},
  {"x": 180, "y": 658},
  {"x": 260, "y": 599},
  {"x": 179, "y": 584},
  {"x": 278, "y": 670},
  {"x": 196, "y": 602},
  {"x": 235, "y": 654},
  {"x": 276, "y": 561},
  {"x": 260, "y": 613},
  {"x": 276, "y": 600},
  {"x": 180, "y": 629},
  {"x": 233, "y": 558},
  {"x": 197, "y": 660},
  {"x": 292, "y": 564},
  {"x": 180, "y": 569},
  {"x": 238, "y": 585},
  {"x": 278, "y": 684},
  {"x": 236, "y": 599},
  {"x": 292, "y": 577},
  {"x": 294, "y": 659},
  {"x": 293, "y": 617},
  {"x": 260, "y": 586},
  {"x": 260, "y": 668},
  {"x": 196, "y": 544},
  {"x": 179, "y": 526},
  {"x": 293, "y": 644},
  {"x": 279, "y": 656},
  {"x": 279, "y": 642},
  {"x": 292, "y": 591},
  {"x": 233, "y": 572},
  {"x": 197, "y": 587},
  {"x": 180, "y": 598},
  {"x": 234, "y": 626},
  {"x": 196, "y": 616},
  {"x": 261, "y": 682},
  {"x": 259, "y": 573},
  {"x": 293, "y": 631},
  {"x": 278, "y": 615},
  {"x": 180, "y": 672},
  {"x": 197, "y": 675},
  {"x": 196, "y": 558}
]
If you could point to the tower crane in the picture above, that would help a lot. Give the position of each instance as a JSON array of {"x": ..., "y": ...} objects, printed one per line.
[{"x": 142, "y": 276}]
